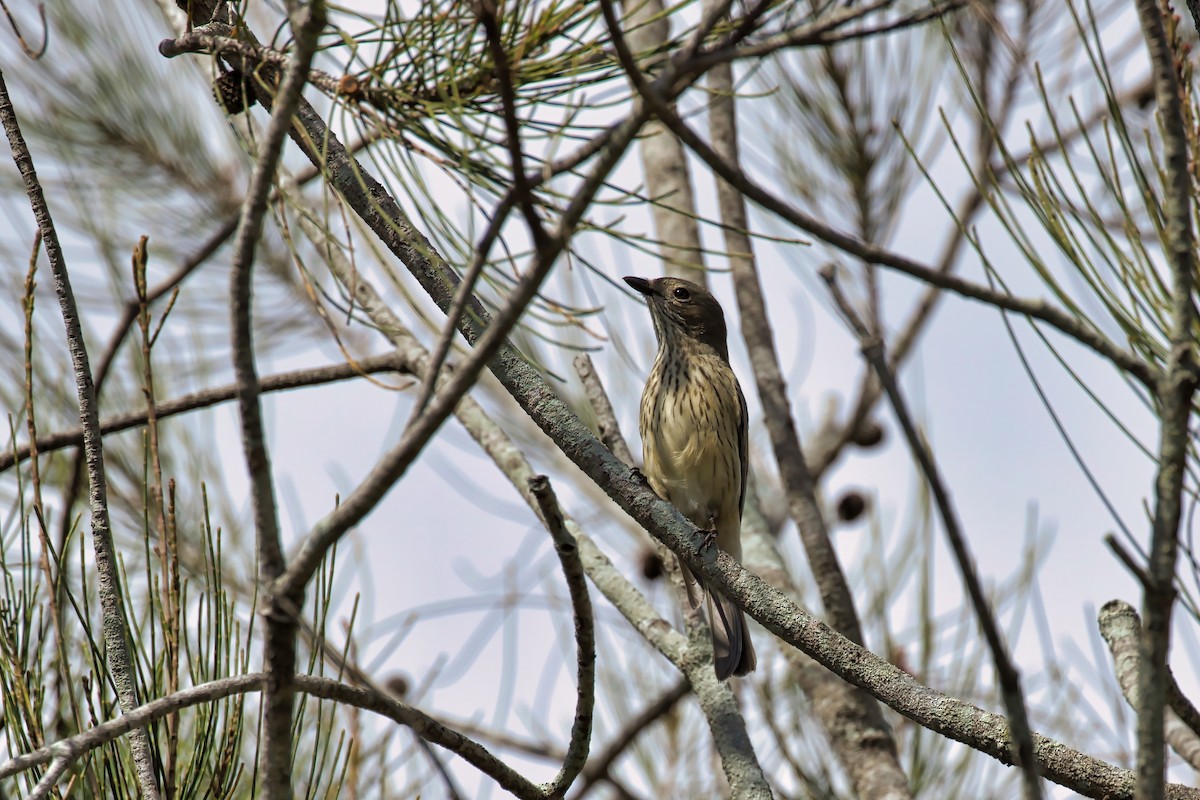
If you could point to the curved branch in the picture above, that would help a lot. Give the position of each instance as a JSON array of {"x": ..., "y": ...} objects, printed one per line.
[
  {"x": 278, "y": 608},
  {"x": 585, "y": 634}
]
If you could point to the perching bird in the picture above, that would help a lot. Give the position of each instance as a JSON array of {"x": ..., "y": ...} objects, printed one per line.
[{"x": 693, "y": 423}]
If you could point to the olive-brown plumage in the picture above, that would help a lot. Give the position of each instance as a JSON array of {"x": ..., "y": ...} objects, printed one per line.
[{"x": 693, "y": 424}]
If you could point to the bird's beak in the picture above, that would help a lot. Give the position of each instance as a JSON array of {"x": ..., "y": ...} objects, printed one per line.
[{"x": 640, "y": 285}]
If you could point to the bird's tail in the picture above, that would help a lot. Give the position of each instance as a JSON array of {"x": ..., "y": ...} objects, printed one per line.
[
  {"x": 694, "y": 590},
  {"x": 733, "y": 652}
]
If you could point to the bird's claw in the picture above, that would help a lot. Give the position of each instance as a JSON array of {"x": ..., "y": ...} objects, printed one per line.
[
  {"x": 710, "y": 538},
  {"x": 638, "y": 475}
]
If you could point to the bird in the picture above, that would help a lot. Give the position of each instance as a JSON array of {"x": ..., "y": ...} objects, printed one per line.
[{"x": 694, "y": 449}]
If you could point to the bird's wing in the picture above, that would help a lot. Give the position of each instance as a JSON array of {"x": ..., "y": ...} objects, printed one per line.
[{"x": 743, "y": 444}]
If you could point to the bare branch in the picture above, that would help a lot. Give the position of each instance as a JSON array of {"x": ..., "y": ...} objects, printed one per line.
[{"x": 66, "y": 751}]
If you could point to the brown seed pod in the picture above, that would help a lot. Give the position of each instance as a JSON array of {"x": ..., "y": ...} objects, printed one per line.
[
  {"x": 869, "y": 434},
  {"x": 397, "y": 684},
  {"x": 652, "y": 565},
  {"x": 851, "y": 506}
]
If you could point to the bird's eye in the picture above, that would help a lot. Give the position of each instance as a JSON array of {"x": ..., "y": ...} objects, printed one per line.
[{"x": 682, "y": 294}]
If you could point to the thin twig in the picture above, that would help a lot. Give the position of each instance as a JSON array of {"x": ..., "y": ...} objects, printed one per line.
[
  {"x": 1174, "y": 393},
  {"x": 585, "y": 634},
  {"x": 1007, "y": 675},
  {"x": 316, "y": 376},
  {"x": 598, "y": 768},
  {"x": 1126, "y": 558},
  {"x": 63, "y": 681},
  {"x": 827, "y": 31},
  {"x": 29, "y": 51},
  {"x": 156, "y": 508},
  {"x": 593, "y": 390},
  {"x": 114, "y": 624}
]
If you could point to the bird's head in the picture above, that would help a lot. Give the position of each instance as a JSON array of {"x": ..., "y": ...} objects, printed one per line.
[{"x": 683, "y": 310}]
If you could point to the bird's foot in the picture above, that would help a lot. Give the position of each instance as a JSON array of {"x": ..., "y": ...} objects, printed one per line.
[
  {"x": 638, "y": 475},
  {"x": 710, "y": 535}
]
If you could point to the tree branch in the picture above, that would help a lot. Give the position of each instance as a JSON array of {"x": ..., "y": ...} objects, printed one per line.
[
  {"x": 66, "y": 751},
  {"x": 1006, "y": 672},
  {"x": 316, "y": 376}
]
